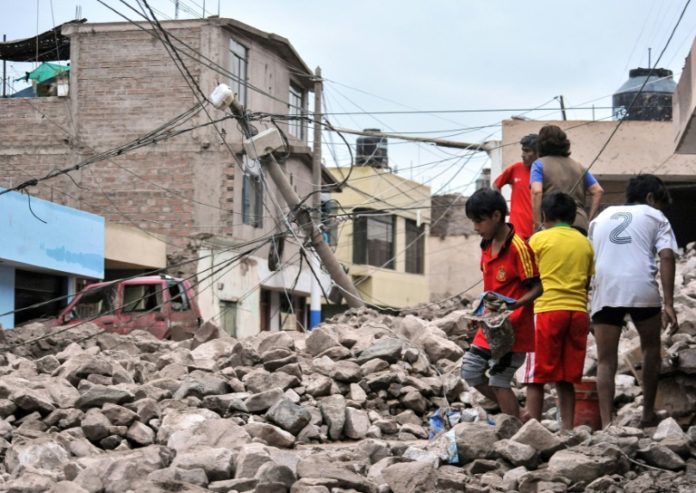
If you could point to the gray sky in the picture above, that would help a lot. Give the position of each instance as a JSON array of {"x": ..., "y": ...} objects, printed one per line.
[{"x": 438, "y": 55}]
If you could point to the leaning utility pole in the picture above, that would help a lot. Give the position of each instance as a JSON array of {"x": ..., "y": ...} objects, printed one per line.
[
  {"x": 315, "y": 293},
  {"x": 304, "y": 219},
  {"x": 261, "y": 146}
]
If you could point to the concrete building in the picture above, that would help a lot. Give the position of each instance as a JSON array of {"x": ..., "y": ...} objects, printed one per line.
[
  {"x": 190, "y": 189},
  {"x": 684, "y": 129},
  {"x": 47, "y": 250},
  {"x": 637, "y": 147},
  {"x": 455, "y": 250},
  {"x": 384, "y": 244}
]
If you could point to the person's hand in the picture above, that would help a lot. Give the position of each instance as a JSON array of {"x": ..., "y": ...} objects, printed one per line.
[
  {"x": 669, "y": 319},
  {"x": 511, "y": 305}
]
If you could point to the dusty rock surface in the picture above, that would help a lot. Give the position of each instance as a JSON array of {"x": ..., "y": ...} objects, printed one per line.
[{"x": 342, "y": 409}]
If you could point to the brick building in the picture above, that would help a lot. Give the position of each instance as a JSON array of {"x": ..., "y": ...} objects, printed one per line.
[{"x": 189, "y": 190}]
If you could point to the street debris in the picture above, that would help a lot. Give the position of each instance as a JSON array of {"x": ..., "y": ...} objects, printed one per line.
[{"x": 347, "y": 407}]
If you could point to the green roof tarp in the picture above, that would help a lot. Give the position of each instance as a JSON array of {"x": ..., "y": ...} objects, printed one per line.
[{"x": 44, "y": 72}]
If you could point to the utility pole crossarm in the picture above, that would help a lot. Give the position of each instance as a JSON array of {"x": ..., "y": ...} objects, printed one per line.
[{"x": 426, "y": 140}]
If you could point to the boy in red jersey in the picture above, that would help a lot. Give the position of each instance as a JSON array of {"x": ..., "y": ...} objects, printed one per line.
[
  {"x": 517, "y": 176},
  {"x": 509, "y": 268}
]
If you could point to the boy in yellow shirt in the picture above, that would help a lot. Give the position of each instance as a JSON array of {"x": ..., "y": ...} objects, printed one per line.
[{"x": 566, "y": 263}]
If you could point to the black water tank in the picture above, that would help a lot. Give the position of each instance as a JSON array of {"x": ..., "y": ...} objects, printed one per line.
[
  {"x": 654, "y": 103},
  {"x": 371, "y": 151}
]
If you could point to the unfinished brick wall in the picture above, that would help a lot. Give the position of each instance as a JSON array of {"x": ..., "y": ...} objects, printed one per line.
[{"x": 123, "y": 84}]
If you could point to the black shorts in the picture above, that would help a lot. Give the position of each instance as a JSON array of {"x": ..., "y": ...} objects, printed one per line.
[{"x": 614, "y": 315}]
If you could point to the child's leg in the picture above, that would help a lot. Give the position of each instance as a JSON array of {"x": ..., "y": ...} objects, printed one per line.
[
  {"x": 507, "y": 401},
  {"x": 501, "y": 375},
  {"x": 535, "y": 400},
  {"x": 607, "y": 340},
  {"x": 650, "y": 344},
  {"x": 473, "y": 371},
  {"x": 566, "y": 403}
]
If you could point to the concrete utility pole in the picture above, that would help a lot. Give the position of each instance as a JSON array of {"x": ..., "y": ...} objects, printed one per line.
[
  {"x": 304, "y": 220},
  {"x": 426, "y": 140},
  {"x": 302, "y": 217},
  {"x": 315, "y": 295}
]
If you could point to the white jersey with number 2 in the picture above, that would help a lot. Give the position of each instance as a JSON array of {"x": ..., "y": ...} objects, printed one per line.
[{"x": 626, "y": 240}]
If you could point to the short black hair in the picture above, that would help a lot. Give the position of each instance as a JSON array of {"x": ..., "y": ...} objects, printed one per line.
[
  {"x": 483, "y": 203},
  {"x": 640, "y": 186},
  {"x": 529, "y": 141},
  {"x": 553, "y": 141},
  {"x": 559, "y": 206}
]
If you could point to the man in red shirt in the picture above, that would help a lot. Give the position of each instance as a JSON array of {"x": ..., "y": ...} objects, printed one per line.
[
  {"x": 517, "y": 176},
  {"x": 509, "y": 268}
]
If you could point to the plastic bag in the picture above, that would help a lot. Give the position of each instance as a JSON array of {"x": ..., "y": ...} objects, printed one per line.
[{"x": 492, "y": 314}]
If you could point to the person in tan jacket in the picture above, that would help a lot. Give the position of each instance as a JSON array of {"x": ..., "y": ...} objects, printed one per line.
[{"x": 555, "y": 171}]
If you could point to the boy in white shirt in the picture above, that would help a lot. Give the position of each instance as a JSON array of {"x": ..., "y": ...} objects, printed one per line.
[{"x": 626, "y": 240}]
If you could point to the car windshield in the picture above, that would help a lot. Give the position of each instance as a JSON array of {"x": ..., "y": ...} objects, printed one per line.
[{"x": 95, "y": 302}]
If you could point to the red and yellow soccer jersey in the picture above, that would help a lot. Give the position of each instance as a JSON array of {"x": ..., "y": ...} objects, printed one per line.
[
  {"x": 517, "y": 176},
  {"x": 509, "y": 273}
]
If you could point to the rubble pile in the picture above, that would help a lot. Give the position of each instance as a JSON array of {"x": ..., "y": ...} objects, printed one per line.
[{"x": 348, "y": 407}]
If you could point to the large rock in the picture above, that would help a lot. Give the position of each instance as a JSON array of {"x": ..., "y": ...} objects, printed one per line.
[
  {"x": 582, "y": 464},
  {"x": 660, "y": 456},
  {"x": 260, "y": 380},
  {"x": 346, "y": 371},
  {"x": 201, "y": 384},
  {"x": 438, "y": 348},
  {"x": 333, "y": 410},
  {"x": 216, "y": 432},
  {"x": 289, "y": 416},
  {"x": 518, "y": 454},
  {"x": 387, "y": 349},
  {"x": 218, "y": 463},
  {"x": 534, "y": 434},
  {"x": 262, "y": 401},
  {"x": 333, "y": 475},
  {"x": 321, "y": 339},
  {"x": 98, "y": 395},
  {"x": 410, "y": 477},
  {"x": 250, "y": 458},
  {"x": 140, "y": 434},
  {"x": 356, "y": 423},
  {"x": 41, "y": 453},
  {"x": 474, "y": 441},
  {"x": 272, "y": 435},
  {"x": 178, "y": 421},
  {"x": 268, "y": 341},
  {"x": 95, "y": 425}
]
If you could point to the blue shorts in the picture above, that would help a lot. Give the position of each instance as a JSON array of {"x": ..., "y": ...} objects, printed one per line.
[{"x": 477, "y": 360}]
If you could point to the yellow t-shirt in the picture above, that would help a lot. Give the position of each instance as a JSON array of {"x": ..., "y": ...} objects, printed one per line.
[{"x": 566, "y": 264}]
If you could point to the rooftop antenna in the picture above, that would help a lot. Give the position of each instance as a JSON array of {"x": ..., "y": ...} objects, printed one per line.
[
  {"x": 649, "y": 57},
  {"x": 78, "y": 12},
  {"x": 176, "y": 9}
]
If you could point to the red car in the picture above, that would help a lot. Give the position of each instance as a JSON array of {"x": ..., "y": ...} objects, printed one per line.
[{"x": 162, "y": 305}]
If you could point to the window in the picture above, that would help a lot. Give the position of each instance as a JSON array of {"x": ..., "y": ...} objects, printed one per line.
[
  {"x": 296, "y": 108},
  {"x": 415, "y": 247},
  {"x": 252, "y": 201},
  {"x": 329, "y": 222},
  {"x": 238, "y": 67},
  {"x": 142, "y": 297},
  {"x": 178, "y": 297},
  {"x": 373, "y": 239}
]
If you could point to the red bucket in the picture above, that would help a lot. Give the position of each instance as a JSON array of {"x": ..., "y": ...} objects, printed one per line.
[{"x": 587, "y": 404}]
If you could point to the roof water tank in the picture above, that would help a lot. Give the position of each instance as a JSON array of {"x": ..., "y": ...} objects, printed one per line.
[
  {"x": 653, "y": 103},
  {"x": 371, "y": 150}
]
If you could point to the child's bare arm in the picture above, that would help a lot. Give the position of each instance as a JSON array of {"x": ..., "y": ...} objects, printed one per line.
[{"x": 535, "y": 290}]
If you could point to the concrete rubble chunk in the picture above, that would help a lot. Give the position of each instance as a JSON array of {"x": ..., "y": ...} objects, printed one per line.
[
  {"x": 534, "y": 434},
  {"x": 333, "y": 410},
  {"x": 582, "y": 464},
  {"x": 356, "y": 423},
  {"x": 289, "y": 416},
  {"x": 518, "y": 454},
  {"x": 387, "y": 349},
  {"x": 272, "y": 435},
  {"x": 410, "y": 477}
]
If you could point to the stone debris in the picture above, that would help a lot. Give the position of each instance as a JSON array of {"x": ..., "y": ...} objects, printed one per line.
[{"x": 344, "y": 408}]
